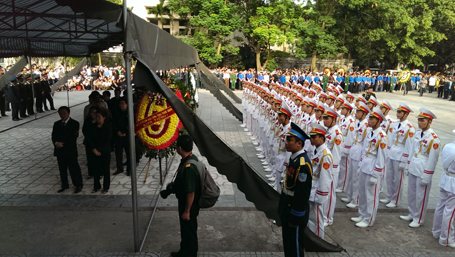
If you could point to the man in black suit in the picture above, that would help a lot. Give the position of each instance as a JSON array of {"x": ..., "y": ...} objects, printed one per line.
[{"x": 64, "y": 137}]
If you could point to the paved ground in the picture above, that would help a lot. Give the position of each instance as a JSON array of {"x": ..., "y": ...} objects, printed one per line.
[{"x": 35, "y": 219}]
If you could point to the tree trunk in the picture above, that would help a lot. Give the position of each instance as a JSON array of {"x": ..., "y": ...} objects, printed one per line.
[
  {"x": 218, "y": 49},
  {"x": 313, "y": 61},
  {"x": 258, "y": 60},
  {"x": 99, "y": 59}
]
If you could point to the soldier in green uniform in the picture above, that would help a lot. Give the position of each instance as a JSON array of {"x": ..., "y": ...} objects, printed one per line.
[
  {"x": 294, "y": 207},
  {"x": 187, "y": 189}
]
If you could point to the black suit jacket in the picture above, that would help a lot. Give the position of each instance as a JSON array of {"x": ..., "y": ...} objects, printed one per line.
[{"x": 68, "y": 135}]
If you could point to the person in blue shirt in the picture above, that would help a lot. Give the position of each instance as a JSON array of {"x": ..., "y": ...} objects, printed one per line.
[
  {"x": 413, "y": 81},
  {"x": 316, "y": 79},
  {"x": 249, "y": 76},
  {"x": 358, "y": 82},
  {"x": 373, "y": 82},
  {"x": 395, "y": 82},
  {"x": 367, "y": 82},
  {"x": 260, "y": 76},
  {"x": 379, "y": 81},
  {"x": 301, "y": 78},
  {"x": 282, "y": 79}
]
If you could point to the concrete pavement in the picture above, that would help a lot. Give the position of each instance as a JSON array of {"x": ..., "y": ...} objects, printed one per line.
[{"x": 35, "y": 219}]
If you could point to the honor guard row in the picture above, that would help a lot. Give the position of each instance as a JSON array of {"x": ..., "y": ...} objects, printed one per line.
[{"x": 354, "y": 147}]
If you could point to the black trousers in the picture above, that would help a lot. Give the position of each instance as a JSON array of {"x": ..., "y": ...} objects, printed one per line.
[
  {"x": 15, "y": 110},
  {"x": 39, "y": 103},
  {"x": 23, "y": 108},
  {"x": 47, "y": 95},
  {"x": 440, "y": 91},
  {"x": 69, "y": 162},
  {"x": 120, "y": 144},
  {"x": 102, "y": 169},
  {"x": 2, "y": 106},
  {"x": 452, "y": 93},
  {"x": 188, "y": 231},
  {"x": 292, "y": 235},
  {"x": 29, "y": 104},
  {"x": 446, "y": 92}
]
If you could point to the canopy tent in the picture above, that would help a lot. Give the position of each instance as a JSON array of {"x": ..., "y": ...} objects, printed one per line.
[{"x": 42, "y": 28}]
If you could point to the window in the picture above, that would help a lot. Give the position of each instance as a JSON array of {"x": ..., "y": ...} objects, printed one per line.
[
  {"x": 168, "y": 30},
  {"x": 154, "y": 21}
]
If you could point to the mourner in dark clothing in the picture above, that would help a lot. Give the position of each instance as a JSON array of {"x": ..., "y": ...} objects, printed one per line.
[
  {"x": 120, "y": 133},
  {"x": 64, "y": 137},
  {"x": 100, "y": 151},
  {"x": 87, "y": 129},
  {"x": 14, "y": 98}
]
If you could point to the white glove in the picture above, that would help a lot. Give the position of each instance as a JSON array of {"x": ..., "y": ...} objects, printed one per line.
[
  {"x": 343, "y": 155},
  {"x": 402, "y": 165},
  {"x": 373, "y": 181},
  {"x": 423, "y": 182},
  {"x": 406, "y": 172}
]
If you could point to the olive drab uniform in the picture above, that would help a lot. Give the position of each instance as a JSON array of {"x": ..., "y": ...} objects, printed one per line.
[
  {"x": 293, "y": 208},
  {"x": 322, "y": 163},
  {"x": 421, "y": 166},
  {"x": 400, "y": 143}
]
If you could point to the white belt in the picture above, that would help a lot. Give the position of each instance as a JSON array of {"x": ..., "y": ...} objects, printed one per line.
[
  {"x": 287, "y": 191},
  {"x": 450, "y": 174},
  {"x": 370, "y": 155},
  {"x": 359, "y": 143},
  {"x": 421, "y": 156}
]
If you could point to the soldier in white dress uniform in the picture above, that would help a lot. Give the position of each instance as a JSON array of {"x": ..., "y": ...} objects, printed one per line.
[
  {"x": 400, "y": 137},
  {"x": 371, "y": 167},
  {"x": 334, "y": 140},
  {"x": 347, "y": 125},
  {"x": 360, "y": 132},
  {"x": 421, "y": 166},
  {"x": 322, "y": 162},
  {"x": 444, "y": 215}
]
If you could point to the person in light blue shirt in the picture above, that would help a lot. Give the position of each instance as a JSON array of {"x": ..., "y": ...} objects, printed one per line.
[
  {"x": 379, "y": 81},
  {"x": 316, "y": 79},
  {"x": 282, "y": 79},
  {"x": 249, "y": 76},
  {"x": 413, "y": 81}
]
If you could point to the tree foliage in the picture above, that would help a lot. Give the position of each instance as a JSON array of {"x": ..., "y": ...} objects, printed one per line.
[{"x": 413, "y": 32}]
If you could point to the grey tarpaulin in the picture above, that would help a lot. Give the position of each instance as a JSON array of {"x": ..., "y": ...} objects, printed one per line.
[
  {"x": 4, "y": 80},
  {"x": 226, "y": 161},
  {"x": 215, "y": 91},
  {"x": 159, "y": 49},
  {"x": 70, "y": 74},
  {"x": 217, "y": 82}
]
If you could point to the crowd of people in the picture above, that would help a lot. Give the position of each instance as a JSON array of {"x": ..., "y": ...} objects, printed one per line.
[
  {"x": 353, "y": 146},
  {"x": 353, "y": 81},
  {"x": 105, "y": 130}
]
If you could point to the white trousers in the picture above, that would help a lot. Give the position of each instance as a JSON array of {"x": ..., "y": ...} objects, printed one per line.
[
  {"x": 353, "y": 181},
  {"x": 329, "y": 205},
  {"x": 343, "y": 177},
  {"x": 417, "y": 198},
  {"x": 444, "y": 215},
  {"x": 395, "y": 181},
  {"x": 368, "y": 198},
  {"x": 316, "y": 219}
]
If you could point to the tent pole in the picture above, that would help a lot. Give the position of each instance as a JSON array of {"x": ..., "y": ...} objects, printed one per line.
[
  {"x": 132, "y": 145},
  {"x": 33, "y": 88}
]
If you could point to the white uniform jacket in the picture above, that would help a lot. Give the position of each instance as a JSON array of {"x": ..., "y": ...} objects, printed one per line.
[
  {"x": 424, "y": 154},
  {"x": 374, "y": 153},
  {"x": 322, "y": 179},
  {"x": 400, "y": 140}
]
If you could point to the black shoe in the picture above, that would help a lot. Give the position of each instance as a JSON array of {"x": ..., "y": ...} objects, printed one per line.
[
  {"x": 8, "y": 110},
  {"x": 78, "y": 190},
  {"x": 128, "y": 174},
  {"x": 118, "y": 172},
  {"x": 46, "y": 109},
  {"x": 4, "y": 115},
  {"x": 24, "y": 116},
  {"x": 174, "y": 254},
  {"x": 40, "y": 111},
  {"x": 16, "y": 119},
  {"x": 53, "y": 109},
  {"x": 62, "y": 189}
]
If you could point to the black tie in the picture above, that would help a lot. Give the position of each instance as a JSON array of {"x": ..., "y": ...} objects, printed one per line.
[
  {"x": 421, "y": 135},
  {"x": 399, "y": 125},
  {"x": 371, "y": 133},
  {"x": 315, "y": 151},
  {"x": 63, "y": 123}
]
